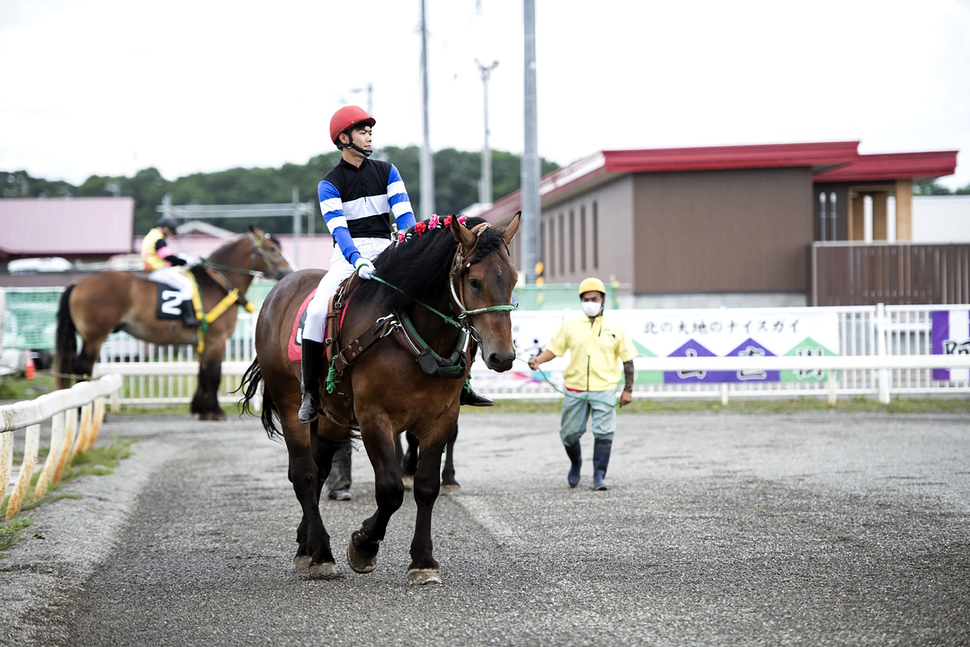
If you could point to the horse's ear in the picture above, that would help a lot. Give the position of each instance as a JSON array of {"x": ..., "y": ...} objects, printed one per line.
[
  {"x": 252, "y": 228},
  {"x": 511, "y": 228},
  {"x": 462, "y": 234}
]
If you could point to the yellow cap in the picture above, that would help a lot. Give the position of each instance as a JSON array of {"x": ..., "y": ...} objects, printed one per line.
[{"x": 591, "y": 284}]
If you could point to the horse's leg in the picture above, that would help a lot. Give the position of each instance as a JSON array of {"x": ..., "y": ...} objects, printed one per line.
[
  {"x": 205, "y": 402},
  {"x": 87, "y": 356},
  {"x": 448, "y": 483},
  {"x": 409, "y": 461},
  {"x": 308, "y": 465},
  {"x": 389, "y": 493},
  {"x": 424, "y": 567}
]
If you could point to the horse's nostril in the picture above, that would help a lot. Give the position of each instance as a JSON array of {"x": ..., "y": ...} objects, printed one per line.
[{"x": 500, "y": 361}]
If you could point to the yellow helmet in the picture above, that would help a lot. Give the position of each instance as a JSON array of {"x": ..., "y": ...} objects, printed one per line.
[{"x": 591, "y": 284}]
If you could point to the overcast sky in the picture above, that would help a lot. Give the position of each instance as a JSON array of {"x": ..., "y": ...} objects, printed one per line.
[{"x": 109, "y": 87}]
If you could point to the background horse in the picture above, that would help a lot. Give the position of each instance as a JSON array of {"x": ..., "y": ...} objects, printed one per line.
[
  {"x": 409, "y": 462},
  {"x": 102, "y": 303},
  {"x": 441, "y": 267}
]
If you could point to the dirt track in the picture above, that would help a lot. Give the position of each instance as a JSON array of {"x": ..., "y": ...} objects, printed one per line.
[{"x": 720, "y": 529}]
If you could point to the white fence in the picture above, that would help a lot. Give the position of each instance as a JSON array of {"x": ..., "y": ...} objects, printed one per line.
[
  {"x": 69, "y": 434},
  {"x": 883, "y": 351}
]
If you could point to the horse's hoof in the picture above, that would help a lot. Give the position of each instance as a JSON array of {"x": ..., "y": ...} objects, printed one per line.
[
  {"x": 358, "y": 563},
  {"x": 301, "y": 564},
  {"x": 323, "y": 569},
  {"x": 211, "y": 415},
  {"x": 408, "y": 482},
  {"x": 422, "y": 576},
  {"x": 450, "y": 488}
]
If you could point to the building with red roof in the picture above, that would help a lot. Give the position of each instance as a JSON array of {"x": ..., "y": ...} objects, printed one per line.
[{"x": 721, "y": 225}]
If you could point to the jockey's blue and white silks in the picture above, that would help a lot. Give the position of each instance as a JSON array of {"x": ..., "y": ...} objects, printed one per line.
[
  {"x": 356, "y": 202},
  {"x": 356, "y": 205}
]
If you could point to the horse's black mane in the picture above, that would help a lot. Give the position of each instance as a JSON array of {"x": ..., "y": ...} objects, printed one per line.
[{"x": 420, "y": 265}]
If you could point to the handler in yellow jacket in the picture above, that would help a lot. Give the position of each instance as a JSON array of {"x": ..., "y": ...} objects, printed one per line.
[{"x": 597, "y": 348}]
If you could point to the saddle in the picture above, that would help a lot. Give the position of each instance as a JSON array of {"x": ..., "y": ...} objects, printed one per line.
[{"x": 396, "y": 324}]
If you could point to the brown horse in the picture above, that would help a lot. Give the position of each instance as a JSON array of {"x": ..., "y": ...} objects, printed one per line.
[
  {"x": 401, "y": 365},
  {"x": 98, "y": 305}
]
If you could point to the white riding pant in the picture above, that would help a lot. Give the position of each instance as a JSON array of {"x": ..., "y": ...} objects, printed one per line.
[
  {"x": 174, "y": 276},
  {"x": 316, "y": 311}
]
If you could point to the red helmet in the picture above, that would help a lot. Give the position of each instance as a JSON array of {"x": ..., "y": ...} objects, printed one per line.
[{"x": 347, "y": 117}]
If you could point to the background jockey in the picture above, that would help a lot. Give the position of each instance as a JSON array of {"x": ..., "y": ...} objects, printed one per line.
[{"x": 168, "y": 267}]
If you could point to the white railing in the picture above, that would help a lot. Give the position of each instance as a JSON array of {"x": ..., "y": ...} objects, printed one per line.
[
  {"x": 830, "y": 365},
  {"x": 883, "y": 352},
  {"x": 69, "y": 435}
]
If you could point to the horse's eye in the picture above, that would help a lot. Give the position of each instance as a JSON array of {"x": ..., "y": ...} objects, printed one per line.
[{"x": 475, "y": 284}]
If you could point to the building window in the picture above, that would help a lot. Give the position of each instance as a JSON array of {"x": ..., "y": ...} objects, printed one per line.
[
  {"x": 582, "y": 238},
  {"x": 596, "y": 238},
  {"x": 562, "y": 244}
]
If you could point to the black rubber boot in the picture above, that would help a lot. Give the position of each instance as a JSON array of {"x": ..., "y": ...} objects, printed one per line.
[
  {"x": 472, "y": 399},
  {"x": 311, "y": 361},
  {"x": 575, "y": 453},
  {"x": 601, "y": 460}
]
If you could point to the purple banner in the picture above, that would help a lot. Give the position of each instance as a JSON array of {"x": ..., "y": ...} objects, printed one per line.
[{"x": 940, "y": 333}]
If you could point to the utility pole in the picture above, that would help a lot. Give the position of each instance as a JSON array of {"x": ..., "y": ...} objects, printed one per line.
[
  {"x": 427, "y": 170},
  {"x": 485, "y": 189},
  {"x": 531, "y": 208}
]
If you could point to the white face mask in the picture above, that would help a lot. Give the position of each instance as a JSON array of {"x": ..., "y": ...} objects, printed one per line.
[{"x": 592, "y": 308}]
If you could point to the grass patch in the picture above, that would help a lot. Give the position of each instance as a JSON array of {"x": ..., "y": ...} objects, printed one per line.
[
  {"x": 10, "y": 531},
  {"x": 19, "y": 388},
  {"x": 99, "y": 461}
]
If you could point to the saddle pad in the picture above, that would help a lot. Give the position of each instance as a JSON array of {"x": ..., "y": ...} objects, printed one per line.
[
  {"x": 168, "y": 305},
  {"x": 296, "y": 336}
]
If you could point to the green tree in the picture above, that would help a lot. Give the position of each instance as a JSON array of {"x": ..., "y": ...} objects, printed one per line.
[
  {"x": 929, "y": 187},
  {"x": 456, "y": 173}
]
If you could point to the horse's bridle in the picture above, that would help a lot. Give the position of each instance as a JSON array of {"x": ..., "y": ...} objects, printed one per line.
[
  {"x": 459, "y": 265},
  {"x": 272, "y": 262}
]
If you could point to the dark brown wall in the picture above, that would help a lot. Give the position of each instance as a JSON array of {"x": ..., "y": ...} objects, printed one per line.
[{"x": 722, "y": 231}]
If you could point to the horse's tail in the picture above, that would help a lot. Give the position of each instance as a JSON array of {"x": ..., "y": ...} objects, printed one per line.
[
  {"x": 65, "y": 350},
  {"x": 250, "y": 388}
]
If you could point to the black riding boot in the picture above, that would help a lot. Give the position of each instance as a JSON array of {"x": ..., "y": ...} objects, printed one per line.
[
  {"x": 472, "y": 399},
  {"x": 601, "y": 460},
  {"x": 575, "y": 453},
  {"x": 188, "y": 314},
  {"x": 311, "y": 361}
]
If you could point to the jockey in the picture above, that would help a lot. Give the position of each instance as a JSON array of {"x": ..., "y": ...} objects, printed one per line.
[
  {"x": 356, "y": 199},
  {"x": 166, "y": 266}
]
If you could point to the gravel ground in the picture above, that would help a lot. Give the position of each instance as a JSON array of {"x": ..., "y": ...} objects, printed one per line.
[{"x": 720, "y": 529}]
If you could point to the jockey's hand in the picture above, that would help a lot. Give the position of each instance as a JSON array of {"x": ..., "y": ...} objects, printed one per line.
[{"x": 364, "y": 268}]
